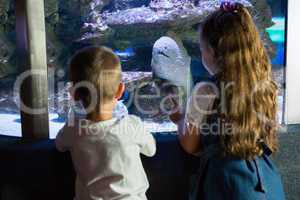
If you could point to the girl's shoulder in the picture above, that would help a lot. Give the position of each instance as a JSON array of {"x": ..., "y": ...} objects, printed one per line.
[{"x": 256, "y": 178}]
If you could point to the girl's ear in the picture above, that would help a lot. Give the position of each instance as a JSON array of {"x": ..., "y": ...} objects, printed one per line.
[
  {"x": 73, "y": 93},
  {"x": 120, "y": 91},
  {"x": 211, "y": 51}
]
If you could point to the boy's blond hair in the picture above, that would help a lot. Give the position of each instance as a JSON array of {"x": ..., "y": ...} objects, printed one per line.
[{"x": 95, "y": 69}]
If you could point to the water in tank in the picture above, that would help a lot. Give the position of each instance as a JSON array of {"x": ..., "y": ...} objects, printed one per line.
[{"x": 141, "y": 33}]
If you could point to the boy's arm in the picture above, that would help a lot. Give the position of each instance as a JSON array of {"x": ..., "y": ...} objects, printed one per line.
[
  {"x": 148, "y": 147},
  {"x": 61, "y": 141},
  {"x": 144, "y": 139}
]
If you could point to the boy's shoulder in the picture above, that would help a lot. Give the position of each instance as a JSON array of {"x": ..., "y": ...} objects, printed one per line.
[{"x": 130, "y": 124}]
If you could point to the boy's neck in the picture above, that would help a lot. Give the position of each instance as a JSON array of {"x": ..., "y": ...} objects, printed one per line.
[{"x": 105, "y": 113}]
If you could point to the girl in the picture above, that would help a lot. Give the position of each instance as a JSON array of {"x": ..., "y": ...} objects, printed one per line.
[{"x": 234, "y": 140}]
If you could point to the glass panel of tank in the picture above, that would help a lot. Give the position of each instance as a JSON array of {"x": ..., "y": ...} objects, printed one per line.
[{"x": 156, "y": 40}]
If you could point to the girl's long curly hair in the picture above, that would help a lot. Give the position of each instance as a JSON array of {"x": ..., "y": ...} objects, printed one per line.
[{"x": 250, "y": 100}]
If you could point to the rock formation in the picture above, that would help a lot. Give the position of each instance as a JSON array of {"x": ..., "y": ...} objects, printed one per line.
[
  {"x": 117, "y": 23},
  {"x": 144, "y": 25}
]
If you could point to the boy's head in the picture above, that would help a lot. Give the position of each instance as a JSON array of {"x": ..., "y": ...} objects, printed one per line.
[{"x": 96, "y": 76}]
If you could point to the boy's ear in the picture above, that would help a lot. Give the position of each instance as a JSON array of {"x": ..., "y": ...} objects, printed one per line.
[{"x": 120, "y": 91}]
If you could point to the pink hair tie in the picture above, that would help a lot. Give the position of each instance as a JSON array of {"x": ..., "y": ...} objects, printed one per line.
[{"x": 228, "y": 6}]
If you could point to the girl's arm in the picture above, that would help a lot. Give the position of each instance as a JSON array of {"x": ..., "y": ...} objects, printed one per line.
[
  {"x": 61, "y": 140},
  {"x": 199, "y": 104},
  {"x": 188, "y": 134},
  {"x": 189, "y": 138}
]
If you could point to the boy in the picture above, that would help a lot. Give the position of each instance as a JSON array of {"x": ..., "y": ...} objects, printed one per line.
[{"x": 105, "y": 150}]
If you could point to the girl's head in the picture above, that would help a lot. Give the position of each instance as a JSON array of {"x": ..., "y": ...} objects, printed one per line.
[{"x": 231, "y": 47}]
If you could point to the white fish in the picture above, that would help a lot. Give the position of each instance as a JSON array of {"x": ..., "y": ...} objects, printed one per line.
[{"x": 170, "y": 61}]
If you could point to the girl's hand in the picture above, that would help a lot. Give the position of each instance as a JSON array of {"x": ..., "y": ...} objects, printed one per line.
[{"x": 177, "y": 115}]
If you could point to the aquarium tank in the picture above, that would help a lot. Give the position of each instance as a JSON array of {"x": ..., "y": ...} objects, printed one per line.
[{"x": 139, "y": 32}]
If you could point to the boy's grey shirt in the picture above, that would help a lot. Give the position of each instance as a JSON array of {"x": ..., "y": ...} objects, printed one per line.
[{"x": 106, "y": 157}]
